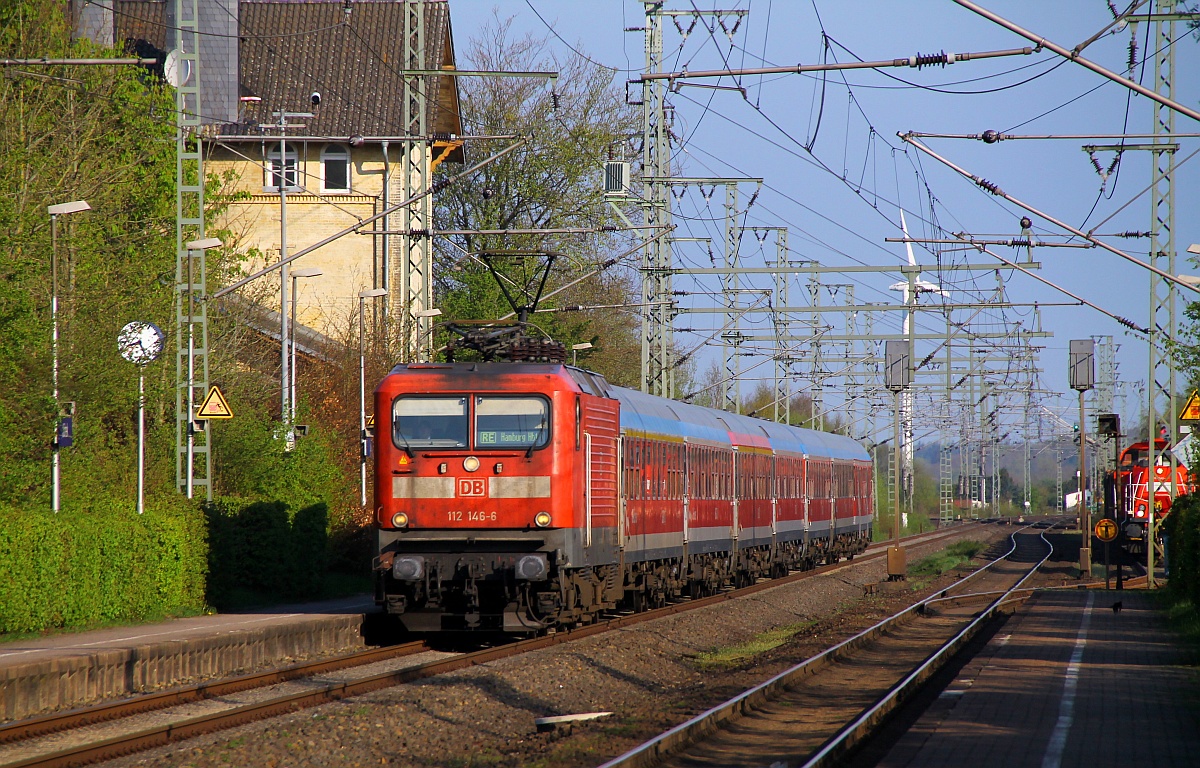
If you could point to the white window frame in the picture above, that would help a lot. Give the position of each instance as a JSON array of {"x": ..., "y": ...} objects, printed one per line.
[
  {"x": 336, "y": 152},
  {"x": 271, "y": 168}
]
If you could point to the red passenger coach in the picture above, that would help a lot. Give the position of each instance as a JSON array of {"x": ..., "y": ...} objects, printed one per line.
[{"x": 519, "y": 497}]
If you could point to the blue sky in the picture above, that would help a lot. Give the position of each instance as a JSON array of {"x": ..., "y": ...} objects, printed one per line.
[{"x": 844, "y": 221}]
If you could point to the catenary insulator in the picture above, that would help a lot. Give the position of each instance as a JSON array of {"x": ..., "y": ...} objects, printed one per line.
[
  {"x": 930, "y": 59},
  {"x": 989, "y": 186}
]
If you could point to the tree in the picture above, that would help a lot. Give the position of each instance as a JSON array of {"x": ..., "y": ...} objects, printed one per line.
[
  {"x": 553, "y": 181},
  {"x": 101, "y": 134},
  {"x": 106, "y": 134}
]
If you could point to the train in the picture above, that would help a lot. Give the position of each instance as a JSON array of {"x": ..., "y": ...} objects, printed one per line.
[
  {"x": 529, "y": 497},
  {"x": 1133, "y": 491}
]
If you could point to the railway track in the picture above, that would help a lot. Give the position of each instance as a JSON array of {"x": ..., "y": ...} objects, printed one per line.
[
  {"x": 101, "y": 732},
  {"x": 818, "y": 711}
]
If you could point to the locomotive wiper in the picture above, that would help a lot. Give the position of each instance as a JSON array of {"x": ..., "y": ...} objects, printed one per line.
[{"x": 407, "y": 448}]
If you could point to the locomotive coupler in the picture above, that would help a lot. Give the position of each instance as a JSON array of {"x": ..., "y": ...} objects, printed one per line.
[{"x": 471, "y": 593}]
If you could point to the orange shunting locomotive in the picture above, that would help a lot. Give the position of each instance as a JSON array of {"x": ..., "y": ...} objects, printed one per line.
[{"x": 1142, "y": 489}]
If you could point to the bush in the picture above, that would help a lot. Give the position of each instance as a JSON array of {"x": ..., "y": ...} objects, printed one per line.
[
  {"x": 259, "y": 553},
  {"x": 1182, "y": 531},
  {"x": 100, "y": 563}
]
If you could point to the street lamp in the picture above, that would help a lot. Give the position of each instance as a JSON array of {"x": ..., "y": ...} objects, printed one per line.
[
  {"x": 576, "y": 349},
  {"x": 55, "y": 211},
  {"x": 372, "y": 293},
  {"x": 296, "y": 274},
  {"x": 193, "y": 245},
  {"x": 421, "y": 315}
]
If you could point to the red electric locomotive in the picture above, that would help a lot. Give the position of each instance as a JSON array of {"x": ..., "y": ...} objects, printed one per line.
[
  {"x": 521, "y": 497},
  {"x": 1134, "y": 483}
]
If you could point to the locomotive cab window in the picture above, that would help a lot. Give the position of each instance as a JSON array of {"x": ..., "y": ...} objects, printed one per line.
[
  {"x": 430, "y": 422},
  {"x": 511, "y": 422}
]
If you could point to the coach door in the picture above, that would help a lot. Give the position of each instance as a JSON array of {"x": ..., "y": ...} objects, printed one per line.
[{"x": 774, "y": 490}]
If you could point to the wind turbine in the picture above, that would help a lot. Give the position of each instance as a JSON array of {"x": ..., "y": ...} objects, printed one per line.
[{"x": 904, "y": 451}]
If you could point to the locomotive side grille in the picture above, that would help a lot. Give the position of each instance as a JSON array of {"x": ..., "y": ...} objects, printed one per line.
[{"x": 602, "y": 424}]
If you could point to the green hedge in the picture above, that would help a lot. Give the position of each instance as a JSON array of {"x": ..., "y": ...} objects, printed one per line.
[
  {"x": 102, "y": 564},
  {"x": 1182, "y": 532},
  {"x": 260, "y": 552}
]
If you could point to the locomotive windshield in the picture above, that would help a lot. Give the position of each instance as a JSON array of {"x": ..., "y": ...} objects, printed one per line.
[
  {"x": 430, "y": 422},
  {"x": 511, "y": 422}
]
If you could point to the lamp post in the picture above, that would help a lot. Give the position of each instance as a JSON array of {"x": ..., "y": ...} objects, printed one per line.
[
  {"x": 193, "y": 245},
  {"x": 287, "y": 177},
  {"x": 296, "y": 274},
  {"x": 372, "y": 293},
  {"x": 421, "y": 315},
  {"x": 576, "y": 349},
  {"x": 55, "y": 211}
]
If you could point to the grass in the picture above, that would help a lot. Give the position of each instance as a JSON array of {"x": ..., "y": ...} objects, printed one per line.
[
  {"x": 949, "y": 558},
  {"x": 731, "y": 656}
]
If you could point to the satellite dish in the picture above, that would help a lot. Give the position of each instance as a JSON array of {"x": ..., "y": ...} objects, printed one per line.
[
  {"x": 175, "y": 71},
  {"x": 140, "y": 342}
]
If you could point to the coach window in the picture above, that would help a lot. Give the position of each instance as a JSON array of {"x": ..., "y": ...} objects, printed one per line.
[
  {"x": 631, "y": 472},
  {"x": 335, "y": 168},
  {"x": 656, "y": 491},
  {"x": 430, "y": 422},
  {"x": 511, "y": 422}
]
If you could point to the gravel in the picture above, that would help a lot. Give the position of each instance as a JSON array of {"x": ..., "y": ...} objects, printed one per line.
[{"x": 646, "y": 675}]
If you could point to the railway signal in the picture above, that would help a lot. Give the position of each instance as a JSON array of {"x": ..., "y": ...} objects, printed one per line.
[{"x": 1106, "y": 531}]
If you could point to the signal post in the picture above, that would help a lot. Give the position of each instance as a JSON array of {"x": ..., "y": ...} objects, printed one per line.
[
  {"x": 1083, "y": 377},
  {"x": 897, "y": 376}
]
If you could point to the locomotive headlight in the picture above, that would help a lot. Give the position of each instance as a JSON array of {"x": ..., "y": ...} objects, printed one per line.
[
  {"x": 541, "y": 519},
  {"x": 408, "y": 568},
  {"x": 399, "y": 520},
  {"x": 471, "y": 463}
]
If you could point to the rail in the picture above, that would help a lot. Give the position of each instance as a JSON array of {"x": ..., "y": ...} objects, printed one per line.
[
  {"x": 859, "y": 728},
  {"x": 190, "y": 727},
  {"x": 692, "y": 731}
]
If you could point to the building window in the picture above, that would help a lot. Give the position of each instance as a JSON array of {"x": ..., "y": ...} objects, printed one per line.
[
  {"x": 280, "y": 168},
  {"x": 335, "y": 169}
]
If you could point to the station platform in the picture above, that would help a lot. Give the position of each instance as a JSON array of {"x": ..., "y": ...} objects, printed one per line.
[
  {"x": 62, "y": 671},
  {"x": 1067, "y": 683}
]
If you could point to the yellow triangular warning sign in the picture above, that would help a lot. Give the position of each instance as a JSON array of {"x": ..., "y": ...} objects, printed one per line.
[
  {"x": 371, "y": 421},
  {"x": 214, "y": 406},
  {"x": 1191, "y": 411}
]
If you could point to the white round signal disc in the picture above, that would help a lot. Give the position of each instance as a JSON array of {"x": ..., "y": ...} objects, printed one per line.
[{"x": 140, "y": 342}]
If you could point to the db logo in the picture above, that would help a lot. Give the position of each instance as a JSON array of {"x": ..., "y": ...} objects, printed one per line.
[{"x": 471, "y": 486}]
